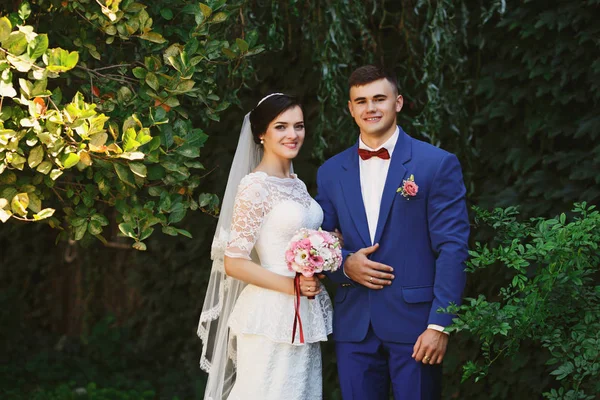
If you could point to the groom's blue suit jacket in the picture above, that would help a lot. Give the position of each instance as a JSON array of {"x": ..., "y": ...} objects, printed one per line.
[{"x": 423, "y": 238}]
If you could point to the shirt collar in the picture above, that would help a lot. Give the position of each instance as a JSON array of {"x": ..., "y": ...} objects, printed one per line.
[{"x": 388, "y": 145}]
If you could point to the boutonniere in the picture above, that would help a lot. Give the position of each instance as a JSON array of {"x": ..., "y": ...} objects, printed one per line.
[{"x": 409, "y": 188}]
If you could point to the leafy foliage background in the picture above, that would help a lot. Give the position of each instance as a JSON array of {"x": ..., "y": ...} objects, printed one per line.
[{"x": 511, "y": 88}]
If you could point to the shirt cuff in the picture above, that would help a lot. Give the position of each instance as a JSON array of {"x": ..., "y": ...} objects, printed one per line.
[{"x": 437, "y": 328}]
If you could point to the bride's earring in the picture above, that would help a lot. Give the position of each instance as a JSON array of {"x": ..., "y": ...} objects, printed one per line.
[{"x": 262, "y": 141}]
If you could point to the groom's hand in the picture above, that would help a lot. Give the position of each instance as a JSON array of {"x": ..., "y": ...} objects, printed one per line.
[
  {"x": 368, "y": 273},
  {"x": 430, "y": 347}
]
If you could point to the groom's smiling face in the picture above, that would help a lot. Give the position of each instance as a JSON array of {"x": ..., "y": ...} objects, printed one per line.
[{"x": 374, "y": 106}]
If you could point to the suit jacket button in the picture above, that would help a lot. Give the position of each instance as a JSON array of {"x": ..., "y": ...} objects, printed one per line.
[{"x": 346, "y": 285}]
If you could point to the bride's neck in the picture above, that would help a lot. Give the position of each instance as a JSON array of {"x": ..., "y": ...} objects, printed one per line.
[{"x": 275, "y": 166}]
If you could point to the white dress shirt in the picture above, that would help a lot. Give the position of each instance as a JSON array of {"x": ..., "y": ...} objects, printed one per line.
[{"x": 373, "y": 174}]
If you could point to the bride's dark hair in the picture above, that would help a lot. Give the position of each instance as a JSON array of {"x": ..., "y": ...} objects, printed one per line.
[{"x": 267, "y": 110}]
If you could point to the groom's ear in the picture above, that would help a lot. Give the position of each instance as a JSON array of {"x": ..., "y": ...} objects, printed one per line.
[
  {"x": 399, "y": 103},
  {"x": 350, "y": 108}
]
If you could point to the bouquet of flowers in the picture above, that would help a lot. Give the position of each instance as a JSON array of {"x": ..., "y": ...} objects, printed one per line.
[{"x": 311, "y": 252}]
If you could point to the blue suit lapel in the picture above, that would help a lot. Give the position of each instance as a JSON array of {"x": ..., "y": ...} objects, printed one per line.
[
  {"x": 396, "y": 174},
  {"x": 350, "y": 182}
]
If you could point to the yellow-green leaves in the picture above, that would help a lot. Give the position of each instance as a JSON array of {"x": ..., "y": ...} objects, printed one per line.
[
  {"x": 5, "y": 29},
  {"x": 219, "y": 17},
  {"x": 242, "y": 45},
  {"x": 69, "y": 160},
  {"x": 15, "y": 43},
  {"x": 152, "y": 80},
  {"x": 206, "y": 10},
  {"x": 138, "y": 169},
  {"x": 38, "y": 46},
  {"x": 60, "y": 60},
  {"x": 153, "y": 37},
  {"x": 19, "y": 204},
  {"x": 53, "y": 151},
  {"x": 4, "y": 213},
  {"x": 35, "y": 156}
]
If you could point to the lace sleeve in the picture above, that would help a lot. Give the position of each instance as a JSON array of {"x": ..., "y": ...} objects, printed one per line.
[{"x": 248, "y": 212}]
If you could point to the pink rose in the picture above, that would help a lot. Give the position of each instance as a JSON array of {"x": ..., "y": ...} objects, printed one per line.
[
  {"x": 304, "y": 244},
  {"x": 316, "y": 261},
  {"x": 411, "y": 188},
  {"x": 308, "y": 271},
  {"x": 289, "y": 256}
]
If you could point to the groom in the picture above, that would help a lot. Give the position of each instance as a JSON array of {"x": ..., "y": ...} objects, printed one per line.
[{"x": 400, "y": 206}]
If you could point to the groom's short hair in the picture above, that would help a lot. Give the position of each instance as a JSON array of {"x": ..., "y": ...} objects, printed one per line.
[{"x": 371, "y": 73}]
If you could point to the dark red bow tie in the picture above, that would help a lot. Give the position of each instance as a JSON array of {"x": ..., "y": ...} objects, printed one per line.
[{"x": 381, "y": 153}]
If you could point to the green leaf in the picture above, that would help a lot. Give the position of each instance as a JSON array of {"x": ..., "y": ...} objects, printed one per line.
[
  {"x": 59, "y": 60},
  {"x": 70, "y": 160},
  {"x": 229, "y": 53},
  {"x": 139, "y": 72},
  {"x": 24, "y": 10},
  {"x": 26, "y": 87},
  {"x": 129, "y": 142},
  {"x": 124, "y": 174},
  {"x": 206, "y": 10},
  {"x": 16, "y": 43},
  {"x": 141, "y": 246},
  {"x": 242, "y": 45},
  {"x": 152, "y": 80},
  {"x": 194, "y": 164},
  {"x": 146, "y": 233},
  {"x": 153, "y": 37},
  {"x": 16, "y": 160},
  {"x": 20, "y": 203},
  {"x": 134, "y": 155},
  {"x": 169, "y": 230},
  {"x": 177, "y": 213},
  {"x": 143, "y": 136},
  {"x": 188, "y": 151},
  {"x": 5, "y": 29},
  {"x": 127, "y": 230},
  {"x": 36, "y": 155},
  {"x": 167, "y": 14},
  {"x": 138, "y": 169},
  {"x": 35, "y": 204},
  {"x": 204, "y": 199},
  {"x": 79, "y": 231},
  {"x": 43, "y": 214},
  {"x": 184, "y": 233},
  {"x": 55, "y": 173},
  {"x": 38, "y": 46},
  {"x": 156, "y": 172},
  {"x": 219, "y": 17},
  {"x": 101, "y": 219},
  {"x": 95, "y": 228},
  {"x": 44, "y": 167}
]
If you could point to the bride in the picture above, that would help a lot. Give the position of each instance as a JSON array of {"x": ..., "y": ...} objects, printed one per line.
[{"x": 248, "y": 313}]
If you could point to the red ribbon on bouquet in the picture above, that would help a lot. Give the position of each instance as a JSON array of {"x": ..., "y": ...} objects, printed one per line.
[{"x": 297, "y": 319}]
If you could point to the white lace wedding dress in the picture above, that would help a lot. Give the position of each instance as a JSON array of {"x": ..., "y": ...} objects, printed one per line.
[{"x": 267, "y": 213}]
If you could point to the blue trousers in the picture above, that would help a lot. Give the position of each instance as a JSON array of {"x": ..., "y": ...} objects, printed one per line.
[{"x": 367, "y": 368}]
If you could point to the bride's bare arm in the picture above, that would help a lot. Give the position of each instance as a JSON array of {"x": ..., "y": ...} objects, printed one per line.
[{"x": 249, "y": 272}]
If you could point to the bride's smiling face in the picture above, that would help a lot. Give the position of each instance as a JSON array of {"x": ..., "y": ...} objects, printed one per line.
[{"x": 285, "y": 134}]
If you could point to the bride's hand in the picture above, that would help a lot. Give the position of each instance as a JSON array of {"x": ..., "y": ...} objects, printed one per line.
[{"x": 309, "y": 286}]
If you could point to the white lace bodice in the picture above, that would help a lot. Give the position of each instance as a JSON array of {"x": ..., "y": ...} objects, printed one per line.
[{"x": 268, "y": 211}]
